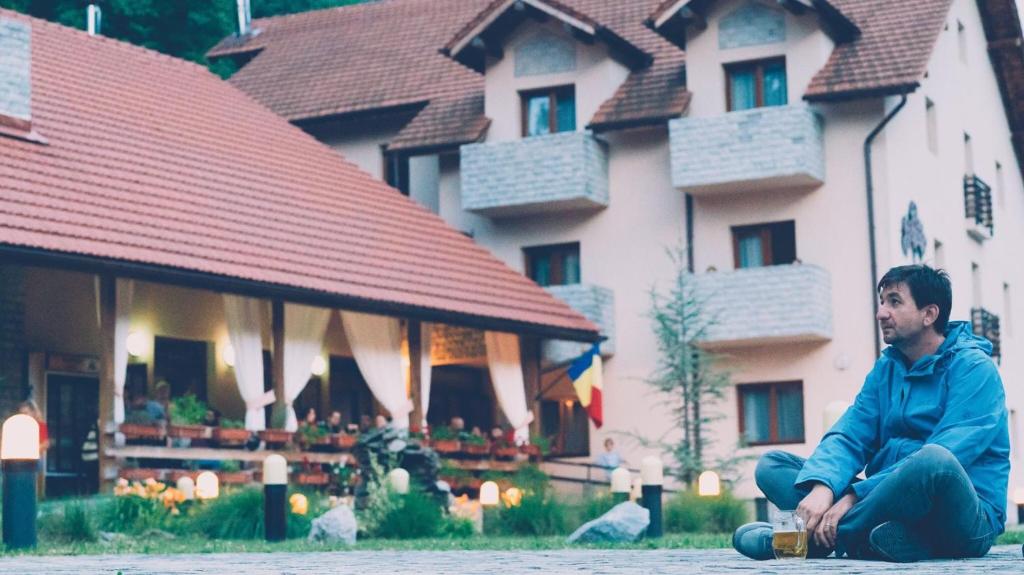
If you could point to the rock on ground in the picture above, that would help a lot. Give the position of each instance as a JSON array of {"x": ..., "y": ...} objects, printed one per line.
[
  {"x": 626, "y": 522},
  {"x": 338, "y": 524}
]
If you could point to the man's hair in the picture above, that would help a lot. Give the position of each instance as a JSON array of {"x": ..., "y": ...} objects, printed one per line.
[{"x": 927, "y": 286}]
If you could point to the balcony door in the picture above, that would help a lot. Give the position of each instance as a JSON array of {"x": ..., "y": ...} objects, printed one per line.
[{"x": 760, "y": 245}]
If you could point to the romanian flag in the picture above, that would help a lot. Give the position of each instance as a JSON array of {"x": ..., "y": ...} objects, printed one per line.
[{"x": 585, "y": 373}]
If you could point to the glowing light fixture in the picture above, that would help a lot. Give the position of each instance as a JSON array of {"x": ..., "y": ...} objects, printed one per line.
[
  {"x": 489, "y": 493},
  {"x": 20, "y": 438},
  {"x": 620, "y": 480},
  {"x": 207, "y": 485},
  {"x": 512, "y": 497},
  {"x": 227, "y": 353},
  {"x": 299, "y": 503},
  {"x": 399, "y": 479},
  {"x": 187, "y": 487},
  {"x": 709, "y": 485},
  {"x": 136, "y": 343},
  {"x": 319, "y": 366}
]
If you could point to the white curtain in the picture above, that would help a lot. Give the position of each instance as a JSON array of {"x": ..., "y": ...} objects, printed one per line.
[
  {"x": 376, "y": 343},
  {"x": 244, "y": 325},
  {"x": 122, "y": 322},
  {"x": 425, "y": 369},
  {"x": 506, "y": 370},
  {"x": 304, "y": 329}
]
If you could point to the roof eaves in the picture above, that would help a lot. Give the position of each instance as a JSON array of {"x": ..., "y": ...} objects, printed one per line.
[{"x": 862, "y": 93}]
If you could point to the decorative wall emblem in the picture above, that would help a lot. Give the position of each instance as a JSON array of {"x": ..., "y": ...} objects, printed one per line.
[
  {"x": 545, "y": 53},
  {"x": 752, "y": 24},
  {"x": 912, "y": 237}
]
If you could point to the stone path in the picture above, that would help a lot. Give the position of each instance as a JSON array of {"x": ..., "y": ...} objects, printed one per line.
[{"x": 1002, "y": 559}]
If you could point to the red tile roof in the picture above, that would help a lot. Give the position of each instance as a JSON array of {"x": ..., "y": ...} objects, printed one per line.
[
  {"x": 155, "y": 162},
  {"x": 387, "y": 53},
  {"x": 1001, "y": 21}
]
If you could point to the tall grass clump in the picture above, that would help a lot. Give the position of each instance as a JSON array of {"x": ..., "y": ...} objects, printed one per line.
[{"x": 688, "y": 512}]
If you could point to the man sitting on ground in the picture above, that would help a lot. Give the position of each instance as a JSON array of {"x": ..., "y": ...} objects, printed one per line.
[{"x": 929, "y": 425}]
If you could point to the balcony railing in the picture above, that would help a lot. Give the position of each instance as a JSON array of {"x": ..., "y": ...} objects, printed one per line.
[
  {"x": 754, "y": 306},
  {"x": 560, "y": 172},
  {"x": 978, "y": 207},
  {"x": 986, "y": 324},
  {"x": 596, "y": 304},
  {"x": 772, "y": 148}
]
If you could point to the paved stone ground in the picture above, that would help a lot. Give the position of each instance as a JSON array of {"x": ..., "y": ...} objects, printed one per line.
[{"x": 1002, "y": 559}]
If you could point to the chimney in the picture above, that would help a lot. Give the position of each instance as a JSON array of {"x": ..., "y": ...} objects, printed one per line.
[
  {"x": 15, "y": 77},
  {"x": 244, "y": 17},
  {"x": 94, "y": 19}
]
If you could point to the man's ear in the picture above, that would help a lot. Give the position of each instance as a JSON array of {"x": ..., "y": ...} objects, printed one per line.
[{"x": 931, "y": 314}]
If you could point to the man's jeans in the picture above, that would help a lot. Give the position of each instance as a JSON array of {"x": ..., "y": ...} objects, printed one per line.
[{"x": 930, "y": 493}]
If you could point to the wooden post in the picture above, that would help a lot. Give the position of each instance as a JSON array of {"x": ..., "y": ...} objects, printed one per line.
[
  {"x": 415, "y": 376},
  {"x": 530, "y": 356},
  {"x": 108, "y": 317},
  {"x": 277, "y": 323}
]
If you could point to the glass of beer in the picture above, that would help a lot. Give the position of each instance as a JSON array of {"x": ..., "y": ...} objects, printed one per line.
[{"x": 789, "y": 535}]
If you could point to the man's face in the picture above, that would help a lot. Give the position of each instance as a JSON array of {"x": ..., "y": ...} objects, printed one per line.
[{"x": 899, "y": 318}]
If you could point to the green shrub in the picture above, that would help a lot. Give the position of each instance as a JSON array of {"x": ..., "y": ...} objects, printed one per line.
[
  {"x": 187, "y": 410},
  {"x": 232, "y": 423},
  {"x": 531, "y": 479},
  {"x": 539, "y": 513},
  {"x": 688, "y": 512},
  {"x": 412, "y": 516},
  {"x": 442, "y": 433},
  {"x": 73, "y": 524},
  {"x": 127, "y": 514},
  {"x": 590, "y": 508},
  {"x": 239, "y": 515}
]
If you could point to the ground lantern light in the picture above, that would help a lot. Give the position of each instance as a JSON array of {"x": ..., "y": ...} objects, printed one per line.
[
  {"x": 275, "y": 487},
  {"x": 653, "y": 476},
  {"x": 489, "y": 493},
  {"x": 709, "y": 484},
  {"x": 620, "y": 484},
  {"x": 19, "y": 450},
  {"x": 207, "y": 485},
  {"x": 399, "y": 480},
  {"x": 187, "y": 487}
]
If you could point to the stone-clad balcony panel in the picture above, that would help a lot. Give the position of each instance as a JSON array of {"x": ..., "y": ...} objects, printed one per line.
[
  {"x": 560, "y": 172},
  {"x": 766, "y": 305},
  {"x": 596, "y": 304},
  {"x": 772, "y": 148}
]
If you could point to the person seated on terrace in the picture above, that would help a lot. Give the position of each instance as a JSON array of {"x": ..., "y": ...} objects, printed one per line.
[
  {"x": 476, "y": 431},
  {"x": 334, "y": 424},
  {"x": 310, "y": 419},
  {"x": 381, "y": 421},
  {"x": 211, "y": 418},
  {"x": 457, "y": 424},
  {"x": 365, "y": 423},
  {"x": 157, "y": 407},
  {"x": 137, "y": 412}
]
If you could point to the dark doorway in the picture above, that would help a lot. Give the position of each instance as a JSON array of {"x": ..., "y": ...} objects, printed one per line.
[
  {"x": 460, "y": 391},
  {"x": 183, "y": 364},
  {"x": 565, "y": 423},
  {"x": 72, "y": 408},
  {"x": 349, "y": 393}
]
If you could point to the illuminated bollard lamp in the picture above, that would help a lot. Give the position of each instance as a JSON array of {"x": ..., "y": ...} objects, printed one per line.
[
  {"x": 652, "y": 475},
  {"x": 620, "y": 484},
  {"x": 275, "y": 490},
  {"x": 19, "y": 450}
]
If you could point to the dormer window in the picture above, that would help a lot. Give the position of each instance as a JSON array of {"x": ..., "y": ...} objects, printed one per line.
[
  {"x": 549, "y": 110},
  {"x": 756, "y": 84}
]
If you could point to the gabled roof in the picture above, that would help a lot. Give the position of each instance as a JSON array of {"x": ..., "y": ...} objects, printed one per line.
[
  {"x": 671, "y": 17},
  {"x": 1006, "y": 51},
  {"x": 507, "y": 13},
  {"x": 373, "y": 56},
  {"x": 157, "y": 169}
]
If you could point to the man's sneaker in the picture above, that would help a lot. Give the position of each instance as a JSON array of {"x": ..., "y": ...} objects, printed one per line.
[
  {"x": 754, "y": 540},
  {"x": 894, "y": 541}
]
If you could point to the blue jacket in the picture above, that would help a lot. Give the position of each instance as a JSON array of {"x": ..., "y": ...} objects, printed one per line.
[{"x": 953, "y": 398}]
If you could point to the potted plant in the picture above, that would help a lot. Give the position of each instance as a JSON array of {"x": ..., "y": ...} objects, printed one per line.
[
  {"x": 276, "y": 438},
  {"x": 444, "y": 441},
  {"x": 314, "y": 437},
  {"x": 142, "y": 432},
  {"x": 187, "y": 414},
  {"x": 344, "y": 441},
  {"x": 505, "y": 451},
  {"x": 176, "y": 474},
  {"x": 139, "y": 474},
  {"x": 312, "y": 474},
  {"x": 537, "y": 447},
  {"x": 475, "y": 446},
  {"x": 232, "y": 432},
  {"x": 231, "y": 473}
]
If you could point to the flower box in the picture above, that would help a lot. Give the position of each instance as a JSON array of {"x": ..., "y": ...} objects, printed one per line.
[
  {"x": 133, "y": 431},
  {"x": 275, "y": 438},
  {"x": 226, "y": 436},
  {"x": 532, "y": 450},
  {"x": 312, "y": 478},
  {"x": 477, "y": 450},
  {"x": 175, "y": 474},
  {"x": 506, "y": 452},
  {"x": 139, "y": 474},
  {"x": 188, "y": 431},
  {"x": 344, "y": 441},
  {"x": 446, "y": 446},
  {"x": 234, "y": 477}
]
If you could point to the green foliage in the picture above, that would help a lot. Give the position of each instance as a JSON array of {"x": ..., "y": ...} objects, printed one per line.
[
  {"x": 73, "y": 524},
  {"x": 543, "y": 443},
  {"x": 688, "y": 512},
  {"x": 183, "y": 28},
  {"x": 442, "y": 433},
  {"x": 590, "y": 508},
  {"x": 470, "y": 439},
  {"x": 539, "y": 513},
  {"x": 410, "y": 516},
  {"x": 531, "y": 479},
  {"x": 230, "y": 465},
  {"x": 187, "y": 410},
  {"x": 232, "y": 423},
  {"x": 133, "y": 514},
  {"x": 687, "y": 378},
  {"x": 310, "y": 434},
  {"x": 238, "y": 514}
]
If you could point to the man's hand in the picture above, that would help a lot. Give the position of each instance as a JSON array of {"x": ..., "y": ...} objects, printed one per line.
[
  {"x": 825, "y": 534},
  {"x": 814, "y": 506}
]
